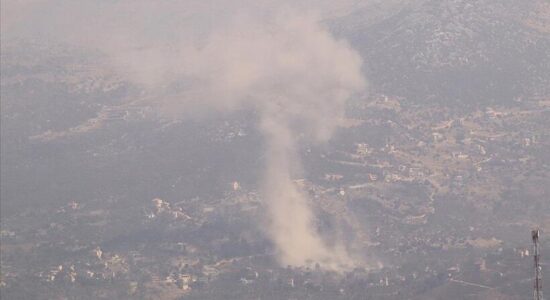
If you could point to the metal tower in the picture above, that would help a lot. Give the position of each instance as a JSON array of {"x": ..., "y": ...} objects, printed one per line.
[{"x": 537, "y": 291}]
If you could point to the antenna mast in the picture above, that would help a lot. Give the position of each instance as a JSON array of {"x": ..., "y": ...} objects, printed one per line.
[{"x": 537, "y": 291}]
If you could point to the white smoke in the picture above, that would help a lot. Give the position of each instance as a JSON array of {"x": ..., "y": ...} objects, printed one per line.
[
  {"x": 280, "y": 62},
  {"x": 298, "y": 77}
]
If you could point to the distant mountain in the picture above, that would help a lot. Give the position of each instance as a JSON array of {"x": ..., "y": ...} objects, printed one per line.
[{"x": 460, "y": 52}]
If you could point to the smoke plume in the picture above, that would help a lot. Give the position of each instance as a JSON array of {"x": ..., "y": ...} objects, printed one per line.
[
  {"x": 280, "y": 62},
  {"x": 298, "y": 77}
]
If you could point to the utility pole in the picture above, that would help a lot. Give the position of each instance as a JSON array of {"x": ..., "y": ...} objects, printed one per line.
[{"x": 537, "y": 290}]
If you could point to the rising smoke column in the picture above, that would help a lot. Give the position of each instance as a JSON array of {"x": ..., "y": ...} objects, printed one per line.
[
  {"x": 298, "y": 77},
  {"x": 289, "y": 69},
  {"x": 291, "y": 218}
]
